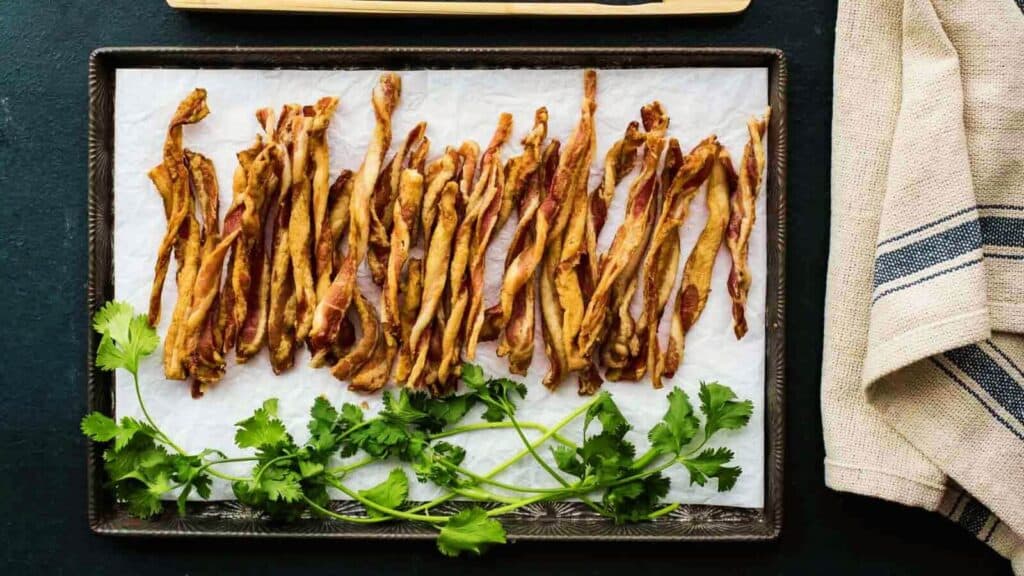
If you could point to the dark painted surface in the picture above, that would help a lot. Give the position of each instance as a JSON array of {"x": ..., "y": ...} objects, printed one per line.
[{"x": 44, "y": 47}]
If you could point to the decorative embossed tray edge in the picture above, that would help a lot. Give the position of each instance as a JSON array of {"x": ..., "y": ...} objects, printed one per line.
[{"x": 545, "y": 521}]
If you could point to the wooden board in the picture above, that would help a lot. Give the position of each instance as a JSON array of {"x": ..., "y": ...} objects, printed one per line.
[{"x": 423, "y": 7}]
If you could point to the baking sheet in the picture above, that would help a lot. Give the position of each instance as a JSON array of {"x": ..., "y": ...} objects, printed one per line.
[{"x": 458, "y": 104}]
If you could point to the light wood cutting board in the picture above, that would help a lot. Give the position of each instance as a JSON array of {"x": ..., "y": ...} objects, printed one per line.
[{"x": 423, "y": 7}]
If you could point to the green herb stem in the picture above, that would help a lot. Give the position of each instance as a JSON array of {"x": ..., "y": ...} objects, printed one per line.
[{"x": 500, "y": 425}]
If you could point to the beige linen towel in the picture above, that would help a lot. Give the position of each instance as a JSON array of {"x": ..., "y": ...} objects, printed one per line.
[{"x": 923, "y": 368}]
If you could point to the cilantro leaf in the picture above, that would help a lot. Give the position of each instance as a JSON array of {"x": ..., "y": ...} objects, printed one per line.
[
  {"x": 721, "y": 409},
  {"x": 568, "y": 461},
  {"x": 437, "y": 468},
  {"x": 469, "y": 531},
  {"x": 99, "y": 427},
  {"x": 125, "y": 340},
  {"x": 391, "y": 493},
  {"x": 635, "y": 500},
  {"x": 473, "y": 375},
  {"x": 607, "y": 456},
  {"x": 677, "y": 427},
  {"x": 710, "y": 463},
  {"x": 605, "y": 411},
  {"x": 281, "y": 484},
  {"x": 400, "y": 408},
  {"x": 262, "y": 429}
]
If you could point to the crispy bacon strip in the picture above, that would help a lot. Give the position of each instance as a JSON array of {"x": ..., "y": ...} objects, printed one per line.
[
  {"x": 251, "y": 273},
  {"x": 282, "y": 310},
  {"x": 411, "y": 292},
  {"x": 681, "y": 183},
  {"x": 618, "y": 161},
  {"x": 743, "y": 204},
  {"x": 438, "y": 174},
  {"x": 551, "y": 320},
  {"x": 550, "y": 219},
  {"x": 191, "y": 110},
  {"x": 696, "y": 282},
  {"x": 627, "y": 246},
  {"x": 436, "y": 269},
  {"x": 319, "y": 154},
  {"x": 309, "y": 191},
  {"x": 489, "y": 193},
  {"x": 517, "y": 337},
  {"x": 328, "y": 241},
  {"x": 332, "y": 307},
  {"x": 406, "y": 214},
  {"x": 384, "y": 195},
  {"x": 363, "y": 349},
  {"x": 458, "y": 289}
]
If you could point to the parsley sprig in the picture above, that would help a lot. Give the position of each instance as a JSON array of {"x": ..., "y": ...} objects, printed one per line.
[{"x": 412, "y": 430}]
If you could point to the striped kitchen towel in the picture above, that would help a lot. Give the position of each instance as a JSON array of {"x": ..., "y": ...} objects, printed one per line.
[{"x": 923, "y": 368}]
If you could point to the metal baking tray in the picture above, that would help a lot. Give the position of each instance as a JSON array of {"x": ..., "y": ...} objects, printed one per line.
[{"x": 544, "y": 521}]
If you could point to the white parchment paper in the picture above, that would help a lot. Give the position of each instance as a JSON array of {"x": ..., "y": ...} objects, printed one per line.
[{"x": 458, "y": 105}]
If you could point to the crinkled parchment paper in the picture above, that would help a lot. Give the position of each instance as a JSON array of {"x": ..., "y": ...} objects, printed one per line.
[{"x": 457, "y": 104}]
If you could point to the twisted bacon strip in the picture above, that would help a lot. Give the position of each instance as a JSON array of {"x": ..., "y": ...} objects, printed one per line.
[
  {"x": 627, "y": 246},
  {"x": 411, "y": 292},
  {"x": 436, "y": 272},
  {"x": 176, "y": 193},
  {"x": 406, "y": 213},
  {"x": 696, "y": 283},
  {"x": 551, "y": 319},
  {"x": 309, "y": 143},
  {"x": 330, "y": 311},
  {"x": 451, "y": 341},
  {"x": 570, "y": 256},
  {"x": 681, "y": 183},
  {"x": 328, "y": 243},
  {"x": 384, "y": 195},
  {"x": 363, "y": 349},
  {"x": 281, "y": 311},
  {"x": 743, "y": 203},
  {"x": 550, "y": 219},
  {"x": 251, "y": 271},
  {"x": 517, "y": 337},
  {"x": 490, "y": 190},
  {"x": 438, "y": 174}
]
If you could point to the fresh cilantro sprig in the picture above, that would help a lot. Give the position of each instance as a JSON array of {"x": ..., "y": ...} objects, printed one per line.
[{"x": 290, "y": 479}]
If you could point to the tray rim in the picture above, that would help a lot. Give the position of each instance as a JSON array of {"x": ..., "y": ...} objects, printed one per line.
[{"x": 700, "y": 522}]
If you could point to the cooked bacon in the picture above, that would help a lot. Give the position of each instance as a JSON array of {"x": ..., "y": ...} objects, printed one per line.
[
  {"x": 319, "y": 154},
  {"x": 175, "y": 354},
  {"x": 384, "y": 194},
  {"x": 331, "y": 229},
  {"x": 191, "y": 110},
  {"x": 482, "y": 214},
  {"x": 521, "y": 168},
  {"x": 438, "y": 174},
  {"x": 627, "y": 246},
  {"x": 411, "y": 292},
  {"x": 309, "y": 191},
  {"x": 681, "y": 180},
  {"x": 743, "y": 203},
  {"x": 696, "y": 282},
  {"x": 570, "y": 256},
  {"x": 337, "y": 298},
  {"x": 406, "y": 214},
  {"x": 551, "y": 320},
  {"x": 458, "y": 289},
  {"x": 250, "y": 276},
  {"x": 517, "y": 338},
  {"x": 368, "y": 340},
  {"x": 282, "y": 314},
  {"x": 436, "y": 264},
  {"x": 550, "y": 218},
  {"x": 618, "y": 161}
]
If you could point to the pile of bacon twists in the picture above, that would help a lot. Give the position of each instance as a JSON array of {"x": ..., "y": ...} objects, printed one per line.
[{"x": 281, "y": 270}]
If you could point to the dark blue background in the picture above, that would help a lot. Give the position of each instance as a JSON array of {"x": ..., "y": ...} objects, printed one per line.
[{"x": 44, "y": 48}]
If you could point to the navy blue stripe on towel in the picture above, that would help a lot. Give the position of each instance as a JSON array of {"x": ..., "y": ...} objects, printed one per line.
[
  {"x": 888, "y": 291},
  {"x": 1002, "y": 231},
  {"x": 927, "y": 252},
  {"x": 974, "y": 516},
  {"x": 1006, "y": 391},
  {"x": 980, "y": 400},
  {"x": 928, "y": 225}
]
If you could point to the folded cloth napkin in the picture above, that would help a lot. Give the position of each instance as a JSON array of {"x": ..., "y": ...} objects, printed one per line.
[{"x": 923, "y": 367}]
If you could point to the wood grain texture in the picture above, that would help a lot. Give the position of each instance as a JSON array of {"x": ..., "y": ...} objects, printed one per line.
[{"x": 425, "y": 7}]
